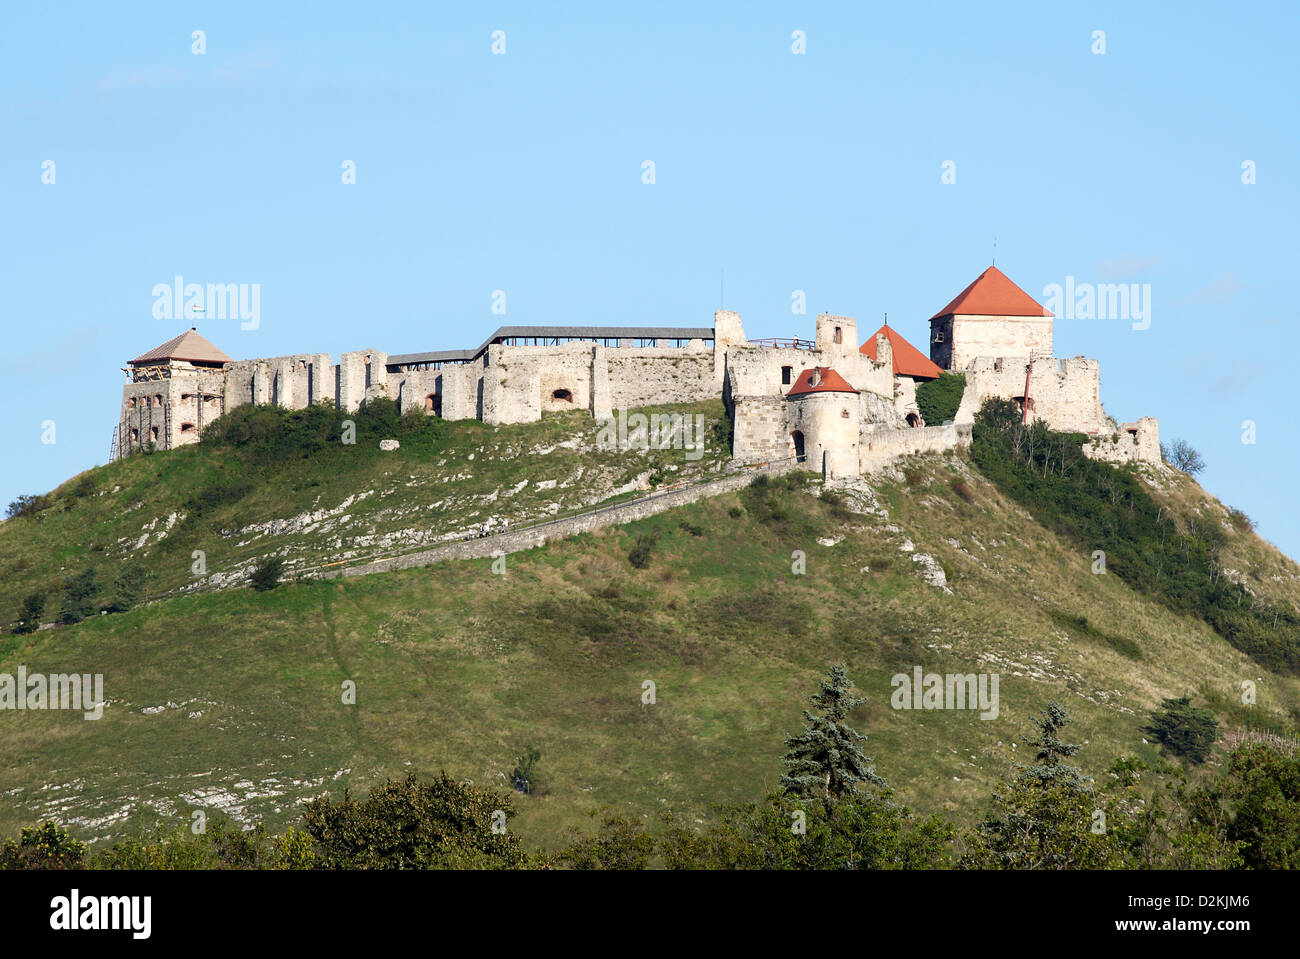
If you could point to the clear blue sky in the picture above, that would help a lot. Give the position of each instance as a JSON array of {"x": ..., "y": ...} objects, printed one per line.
[{"x": 522, "y": 172}]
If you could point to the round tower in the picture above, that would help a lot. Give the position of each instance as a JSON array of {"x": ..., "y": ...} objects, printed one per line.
[{"x": 824, "y": 417}]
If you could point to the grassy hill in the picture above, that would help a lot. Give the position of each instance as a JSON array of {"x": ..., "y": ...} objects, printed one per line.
[{"x": 229, "y": 698}]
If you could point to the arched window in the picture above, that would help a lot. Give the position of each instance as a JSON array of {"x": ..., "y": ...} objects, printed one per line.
[
  {"x": 157, "y": 399},
  {"x": 799, "y": 453},
  {"x": 135, "y": 436},
  {"x": 913, "y": 419},
  {"x": 131, "y": 402},
  {"x": 433, "y": 404},
  {"x": 153, "y": 433},
  {"x": 187, "y": 427},
  {"x": 565, "y": 395},
  {"x": 839, "y": 335}
]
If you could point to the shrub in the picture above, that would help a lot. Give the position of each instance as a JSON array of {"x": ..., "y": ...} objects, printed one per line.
[
  {"x": 1240, "y": 521},
  {"x": 1171, "y": 558},
  {"x": 937, "y": 400},
  {"x": 962, "y": 489},
  {"x": 411, "y": 824},
  {"x": 29, "y": 616},
  {"x": 128, "y": 587},
  {"x": 735, "y": 512},
  {"x": 84, "y": 486},
  {"x": 47, "y": 846},
  {"x": 524, "y": 777},
  {"x": 80, "y": 597},
  {"x": 266, "y": 574},
  {"x": 226, "y": 488},
  {"x": 913, "y": 477},
  {"x": 27, "y": 505},
  {"x": 1183, "y": 729},
  {"x": 693, "y": 528},
  {"x": 640, "y": 554}
]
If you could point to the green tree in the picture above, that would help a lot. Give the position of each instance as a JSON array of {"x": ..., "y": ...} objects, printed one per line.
[
  {"x": 410, "y": 824},
  {"x": 937, "y": 400},
  {"x": 1050, "y": 766},
  {"x": 29, "y": 616},
  {"x": 1047, "y": 816},
  {"x": 266, "y": 574},
  {"x": 824, "y": 760},
  {"x": 80, "y": 597},
  {"x": 1185, "y": 730},
  {"x": 1170, "y": 824},
  {"x": 783, "y": 832},
  {"x": 128, "y": 587},
  {"x": 621, "y": 843},
  {"x": 1263, "y": 786}
]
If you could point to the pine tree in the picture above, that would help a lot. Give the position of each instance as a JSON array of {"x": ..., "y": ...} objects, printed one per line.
[
  {"x": 1047, "y": 817},
  {"x": 1050, "y": 768},
  {"x": 824, "y": 760}
]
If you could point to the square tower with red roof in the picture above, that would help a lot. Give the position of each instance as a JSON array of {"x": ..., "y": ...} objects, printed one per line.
[{"x": 991, "y": 317}]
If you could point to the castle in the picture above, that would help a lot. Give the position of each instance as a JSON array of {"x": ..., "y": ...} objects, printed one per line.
[{"x": 840, "y": 405}]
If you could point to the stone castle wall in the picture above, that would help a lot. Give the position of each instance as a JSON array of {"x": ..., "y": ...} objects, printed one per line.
[
  {"x": 1065, "y": 393},
  {"x": 170, "y": 402}
]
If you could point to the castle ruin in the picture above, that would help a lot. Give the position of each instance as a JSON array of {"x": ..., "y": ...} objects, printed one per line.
[{"x": 842, "y": 406}]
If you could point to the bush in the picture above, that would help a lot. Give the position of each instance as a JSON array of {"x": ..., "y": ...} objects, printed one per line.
[
  {"x": 937, "y": 400},
  {"x": 962, "y": 489},
  {"x": 693, "y": 528},
  {"x": 735, "y": 512},
  {"x": 29, "y": 616},
  {"x": 524, "y": 777},
  {"x": 264, "y": 434},
  {"x": 266, "y": 574},
  {"x": 84, "y": 486},
  {"x": 128, "y": 587},
  {"x": 225, "y": 489},
  {"x": 47, "y": 846},
  {"x": 1240, "y": 521},
  {"x": 1103, "y": 507},
  {"x": 1183, "y": 729},
  {"x": 410, "y": 824},
  {"x": 27, "y": 505},
  {"x": 913, "y": 477},
  {"x": 80, "y": 597},
  {"x": 640, "y": 554}
]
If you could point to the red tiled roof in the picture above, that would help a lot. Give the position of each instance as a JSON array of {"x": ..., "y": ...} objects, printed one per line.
[
  {"x": 908, "y": 360},
  {"x": 828, "y": 382},
  {"x": 992, "y": 294},
  {"x": 188, "y": 346}
]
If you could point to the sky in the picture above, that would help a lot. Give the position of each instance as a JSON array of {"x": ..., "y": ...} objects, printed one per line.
[{"x": 869, "y": 156}]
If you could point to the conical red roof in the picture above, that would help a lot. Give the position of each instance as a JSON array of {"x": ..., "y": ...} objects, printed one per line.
[
  {"x": 908, "y": 360},
  {"x": 188, "y": 346},
  {"x": 992, "y": 294},
  {"x": 828, "y": 382}
]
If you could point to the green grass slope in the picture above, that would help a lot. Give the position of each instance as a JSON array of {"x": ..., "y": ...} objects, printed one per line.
[{"x": 232, "y": 699}]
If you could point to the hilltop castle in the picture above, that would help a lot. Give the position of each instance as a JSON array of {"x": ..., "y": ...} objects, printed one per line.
[{"x": 841, "y": 405}]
